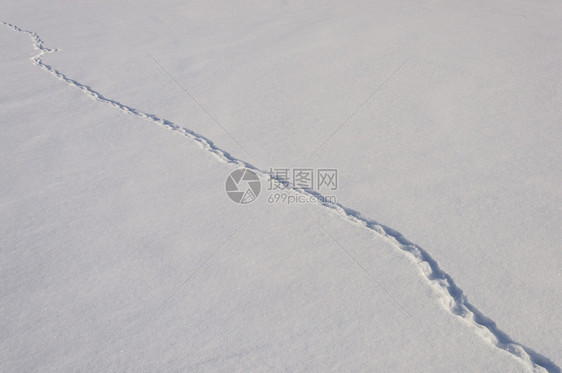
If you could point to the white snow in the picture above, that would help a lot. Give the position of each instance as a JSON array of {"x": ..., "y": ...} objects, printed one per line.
[{"x": 120, "y": 250}]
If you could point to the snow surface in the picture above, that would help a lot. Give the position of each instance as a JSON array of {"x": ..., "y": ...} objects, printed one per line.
[{"x": 121, "y": 252}]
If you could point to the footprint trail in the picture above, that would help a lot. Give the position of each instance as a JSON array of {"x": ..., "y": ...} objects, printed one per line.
[{"x": 451, "y": 296}]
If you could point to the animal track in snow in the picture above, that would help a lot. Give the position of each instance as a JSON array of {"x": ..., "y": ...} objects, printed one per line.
[{"x": 452, "y": 297}]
